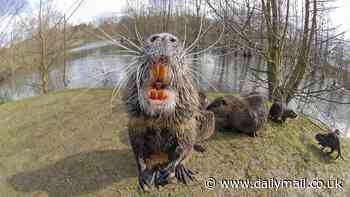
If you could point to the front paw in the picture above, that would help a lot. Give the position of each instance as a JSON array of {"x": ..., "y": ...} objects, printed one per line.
[
  {"x": 146, "y": 179},
  {"x": 183, "y": 174},
  {"x": 164, "y": 176}
]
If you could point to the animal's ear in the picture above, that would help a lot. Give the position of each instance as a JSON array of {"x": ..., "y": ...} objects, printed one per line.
[
  {"x": 224, "y": 102},
  {"x": 337, "y": 131},
  {"x": 153, "y": 38}
]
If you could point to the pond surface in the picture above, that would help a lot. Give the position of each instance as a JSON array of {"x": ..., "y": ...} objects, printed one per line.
[{"x": 98, "y": 65}]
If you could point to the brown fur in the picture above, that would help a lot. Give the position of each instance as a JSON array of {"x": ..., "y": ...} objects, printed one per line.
[
  {"x": 203, "y": 100},
  {"x": 279, "y": 112},
  {"x": 162, "y": 141},
  {"x": 330, "y": 140},
  {"x": 246, "y": 114}
]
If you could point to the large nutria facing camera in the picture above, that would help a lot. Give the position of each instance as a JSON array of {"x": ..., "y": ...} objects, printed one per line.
[
  {"x": 165, "y": 118},
  {"x": 246, "y": 114},
  {"x": 330, "y": 140},
  {"x": 279, "y": 112}
]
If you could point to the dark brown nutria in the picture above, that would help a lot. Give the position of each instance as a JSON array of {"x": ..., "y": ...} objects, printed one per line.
[
  {"x": 246, "y": 114},
  {"x": 279, "y": 112},
  {"x": 330, "y": 140},
  {"x": 166, "y": 120}
]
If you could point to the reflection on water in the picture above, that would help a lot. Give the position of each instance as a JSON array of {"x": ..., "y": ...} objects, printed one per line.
[
  {"x": 87, "y": 69},
  {"x": 97, "y": 65}
]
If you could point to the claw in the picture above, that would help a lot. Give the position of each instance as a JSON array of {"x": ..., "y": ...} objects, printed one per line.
[
  {"x": 143, "y": 184},
  {"x": 183, "y": 174},
  {"x": 163, "y": 177},
  {"x": 189, "y": 173},
  {"x": 146, "y": 179},
  {"x": 156, "y": 178}
]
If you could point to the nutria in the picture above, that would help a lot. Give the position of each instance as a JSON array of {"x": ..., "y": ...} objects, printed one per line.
[
  {"x": 165, "y": 118},
  {"x": 246, "y": 114},
  {"x": 279, "y": 112},
  {"x": 330, "y": 140}
]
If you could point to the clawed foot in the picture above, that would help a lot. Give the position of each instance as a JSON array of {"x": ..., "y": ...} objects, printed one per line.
[
  {"x": 146, "y": 179},
  {"x": 253, "y": 134},
  {"x": 322, "y": 148},
  {"x": 164, "y": 176},
  {"x": 183, "y": 174}
]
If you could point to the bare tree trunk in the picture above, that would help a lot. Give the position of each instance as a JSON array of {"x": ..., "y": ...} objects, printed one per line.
[
  {"x": 270, "y": 13},
  {"x": 64, "y": 52},
  {"x": 42, "y": 67},
  {"x": 303, "y": 58}
]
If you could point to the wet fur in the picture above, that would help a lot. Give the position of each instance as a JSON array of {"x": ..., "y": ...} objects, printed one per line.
[
  {"x": 173, "y": 131},
  {"x": 203, "y": 100},
  {"x": 246, "y": 114},
  {"x": 279, "y": 113},
  {"x": 330, "y": 140}
]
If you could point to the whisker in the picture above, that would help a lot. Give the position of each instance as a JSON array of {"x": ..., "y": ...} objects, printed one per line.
[
  {"x": 185, "y": 36},
  {"x": 210, "y": 46},
  {"x": 138, "y": 35},
  {"x": 116, "y": 42},
  {"x": 198, "y": 36},
  {"x": 104, "y": 73},
  {"x": 87, "y": 89},
  {"x": 116, "y": 90},
  {"x": 131, "y": 42},
  {"x": 196, "y": 74}
]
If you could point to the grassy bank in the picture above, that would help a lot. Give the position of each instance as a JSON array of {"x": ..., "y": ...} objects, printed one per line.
[{"x": 71, "y": 144}]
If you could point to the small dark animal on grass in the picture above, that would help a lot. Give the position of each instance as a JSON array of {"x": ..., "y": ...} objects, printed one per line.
[
  {"x": 330, "y": 140},
  {"x": 246, "y": 114},
  {"x": 279, "y": 112}
]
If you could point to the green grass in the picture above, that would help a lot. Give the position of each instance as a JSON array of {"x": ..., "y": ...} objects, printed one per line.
[{"x": 70, "y": 143}]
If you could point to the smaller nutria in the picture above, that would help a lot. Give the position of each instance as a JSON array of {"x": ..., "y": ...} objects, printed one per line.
[
  {"x": 246, "y": 114},
  {"x": 330, "y": 140},
  {"x": 279, "y": 112}
]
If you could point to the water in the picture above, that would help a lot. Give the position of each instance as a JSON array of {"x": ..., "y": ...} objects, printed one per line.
[
  {"x": 88, "y": 68},
  {"x": 98, "y": 65}
]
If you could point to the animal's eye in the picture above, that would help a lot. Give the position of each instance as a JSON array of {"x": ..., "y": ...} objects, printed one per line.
[
  {"x": 172, "y": 40},
  {"x": 154, "y": 38}
]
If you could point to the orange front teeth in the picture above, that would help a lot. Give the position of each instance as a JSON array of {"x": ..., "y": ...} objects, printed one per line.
[
  {"x": 155, "y": 94},
  {"x": 161, "y": 95},
  {"x": 159, "y": 71}
]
